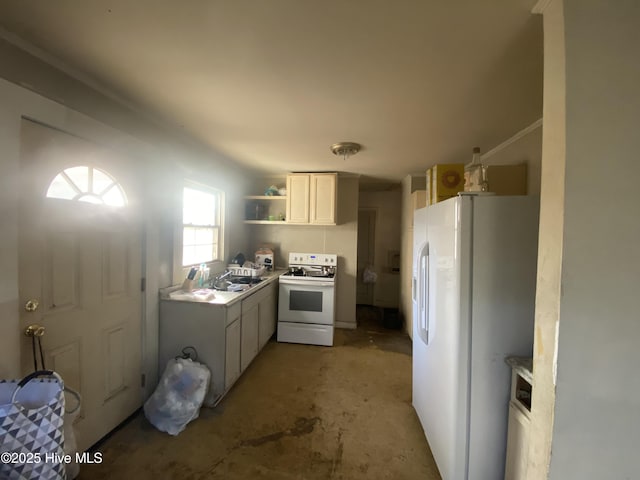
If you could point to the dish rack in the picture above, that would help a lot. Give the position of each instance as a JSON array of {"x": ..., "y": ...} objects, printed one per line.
[{"x": 238, "y": 271}]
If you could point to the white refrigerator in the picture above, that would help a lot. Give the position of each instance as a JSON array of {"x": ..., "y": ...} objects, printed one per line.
[{"x": 474, "y": 280}]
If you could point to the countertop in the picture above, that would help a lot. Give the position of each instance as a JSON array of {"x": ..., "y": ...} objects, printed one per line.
[
  {"x": 219, "y": 298},
  {"x": 523, "y": 366}
]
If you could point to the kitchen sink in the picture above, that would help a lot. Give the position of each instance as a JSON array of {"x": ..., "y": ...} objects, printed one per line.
[
  {"x": 245, "y": 280},
  {"x": 224, "y": 286}
]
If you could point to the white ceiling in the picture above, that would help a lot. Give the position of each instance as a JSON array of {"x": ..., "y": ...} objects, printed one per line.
[{"x": 272, "y": 84}]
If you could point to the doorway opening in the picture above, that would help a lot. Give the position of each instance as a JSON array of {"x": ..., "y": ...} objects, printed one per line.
[{"x": 366, "y": 255}]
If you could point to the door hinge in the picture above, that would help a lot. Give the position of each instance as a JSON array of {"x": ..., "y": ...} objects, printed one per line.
[
  {"x": 143, "y": 284},
  {"x": 143, "y": 380}
]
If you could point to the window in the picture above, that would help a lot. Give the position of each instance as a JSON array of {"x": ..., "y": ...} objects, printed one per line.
[
  {"x": 201, "y": 225},
  {"x": 87, "y": 184}
]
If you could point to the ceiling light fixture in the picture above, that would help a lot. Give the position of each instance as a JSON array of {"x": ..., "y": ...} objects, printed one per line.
[{"x": 345, "y": 149}]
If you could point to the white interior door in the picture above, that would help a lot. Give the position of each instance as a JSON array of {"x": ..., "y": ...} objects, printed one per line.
[{"x": 80, "y": 260}]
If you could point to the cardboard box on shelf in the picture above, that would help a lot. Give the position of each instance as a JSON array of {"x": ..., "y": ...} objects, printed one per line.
[
  {"x": 447, "y": 179},
  {"x": 429, "y": 176},
  {"x": 507, "y": 179}
]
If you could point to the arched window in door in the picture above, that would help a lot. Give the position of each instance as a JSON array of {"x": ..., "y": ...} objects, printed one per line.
[{"x": 87, "y": 184}]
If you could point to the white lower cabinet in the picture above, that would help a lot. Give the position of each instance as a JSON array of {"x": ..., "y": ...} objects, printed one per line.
[
  {"x": 258, "y": 323},
  {"x": 226, "y": 337},
  {"x": 249, "y": 347},
  {"x": 232, "y": 354},
  {"x": 266, "y": 318}
]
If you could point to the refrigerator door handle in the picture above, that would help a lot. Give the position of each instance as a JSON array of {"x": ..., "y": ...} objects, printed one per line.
[
  {"x": 423, "y": 295},
  {"x": 414, "y": 288}
]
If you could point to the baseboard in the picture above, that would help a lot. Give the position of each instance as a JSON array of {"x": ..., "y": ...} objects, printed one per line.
[{"x": 348, "y": 325}]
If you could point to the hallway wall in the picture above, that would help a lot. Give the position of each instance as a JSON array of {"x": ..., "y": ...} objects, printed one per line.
[{"x": 596, "y": 427}]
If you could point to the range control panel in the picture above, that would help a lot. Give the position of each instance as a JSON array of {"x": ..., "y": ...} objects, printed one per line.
[{"x": 318, "y": 259}]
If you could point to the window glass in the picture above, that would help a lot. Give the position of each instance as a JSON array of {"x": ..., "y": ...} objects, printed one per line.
[
  {"x": 60, "y": 187},
  {"x": 199, "y": 208},
  {"x": 79, "y": 176},
  {"x": 87, "y": 184},
  {"x": 201, "y": 217},
  {"x": 204, "y": 236},
  {"x": 101, "y": 181},
  {"x": 114, "y": 196}
]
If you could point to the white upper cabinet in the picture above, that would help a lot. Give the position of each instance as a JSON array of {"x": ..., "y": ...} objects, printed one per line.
[
  {"x": 298, "y": 198},
  {"x": 311, "y": 198},
  {"x": 322, "y": 209}
]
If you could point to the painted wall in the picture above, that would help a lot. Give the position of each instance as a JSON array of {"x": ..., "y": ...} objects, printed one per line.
[
  {"x": 596, "y": 431},
  {"x": 157, "y": 152},
  {"x": 9, "y": 303},
  {"x": 406, "y": 256},
  {"x": 386, "y": 291},
  {"x": 524, "y": 147},
  {"x": 341, "y": 239}
]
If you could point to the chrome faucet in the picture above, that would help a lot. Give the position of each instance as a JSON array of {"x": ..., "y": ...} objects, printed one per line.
[
  {"x": 224, "y": 275},
  {"x": 215, "y": 283}
]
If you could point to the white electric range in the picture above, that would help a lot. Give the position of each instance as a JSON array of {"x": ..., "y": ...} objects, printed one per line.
[{"x": 306, "y": 305}]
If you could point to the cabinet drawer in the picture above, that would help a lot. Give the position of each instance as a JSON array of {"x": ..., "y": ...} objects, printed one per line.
[{"x": 257, "y": 297}]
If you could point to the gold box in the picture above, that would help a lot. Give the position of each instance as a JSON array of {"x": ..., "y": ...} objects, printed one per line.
[{"x": 447, "y": 179}]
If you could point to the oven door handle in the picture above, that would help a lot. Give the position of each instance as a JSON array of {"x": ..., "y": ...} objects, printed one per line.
[{"x": 308, "y": 283}]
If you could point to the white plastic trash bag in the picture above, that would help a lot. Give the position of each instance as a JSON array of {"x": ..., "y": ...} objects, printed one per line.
[
  {"x": 179, "y": 395},
  {"x": 369, "y": 275}
]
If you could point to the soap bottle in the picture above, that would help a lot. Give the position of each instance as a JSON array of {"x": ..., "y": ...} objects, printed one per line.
[{"x": 201, "y": 275}]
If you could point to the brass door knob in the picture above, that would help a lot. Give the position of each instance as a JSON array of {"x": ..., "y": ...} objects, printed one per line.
[
  {"x": 31, "y": 305},
  {"x": 34, "y": 330}
]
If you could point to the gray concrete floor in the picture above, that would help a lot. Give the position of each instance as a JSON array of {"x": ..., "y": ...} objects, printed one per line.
[{"x": 299, "y": 412}]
